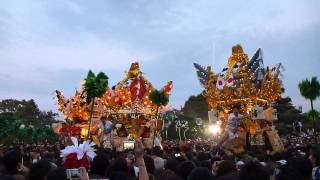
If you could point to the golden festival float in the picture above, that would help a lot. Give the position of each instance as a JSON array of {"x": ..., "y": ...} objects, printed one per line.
[
  {"x": 126, "y": 111},
  {"x": 252, "y": 88}
]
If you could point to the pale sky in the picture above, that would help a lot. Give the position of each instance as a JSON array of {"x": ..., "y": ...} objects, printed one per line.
[{"x": 51, "y": 44}]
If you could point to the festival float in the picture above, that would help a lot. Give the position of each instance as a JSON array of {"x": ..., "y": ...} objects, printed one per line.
[
  {"x": 251, "y": 87},
  {"x": 129, "y": 110}
]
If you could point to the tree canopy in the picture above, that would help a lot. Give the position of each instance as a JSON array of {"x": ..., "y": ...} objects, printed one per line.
[
  {"x": 23, "y": 121},
  {"x": 196, "y": 107},
  {"x": 27, "y": 111},
  {"x": 287, "y": 114},
  {"x": 310, "y": 90}
]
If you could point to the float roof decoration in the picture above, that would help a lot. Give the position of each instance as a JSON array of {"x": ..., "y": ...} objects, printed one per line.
[
  {"x": 75, "y": 108},
  {"x": 242, "y": 81},
  {"x": 131, "y": 95}
]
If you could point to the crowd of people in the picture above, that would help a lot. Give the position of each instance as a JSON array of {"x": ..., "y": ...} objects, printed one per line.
[{"x": 187, "y": 160}]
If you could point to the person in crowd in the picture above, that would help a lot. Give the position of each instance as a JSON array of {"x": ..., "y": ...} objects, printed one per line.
[
  {"x": 39, "y": 170},
  {"x": 253, "y": 170},
  {"x": 106, "y": 126},
  {"x": 157, "y": 154},
  {"x": 185, "y": 168},
  {"x": 168, "y": 175},
  {"x": 172, "y": 164},
  {"x": 8, "y": 177},
  {"x": 287, "y": 172},
  {"x": 228, "y": 177},
  {"x": 149, "y": 164},
  {"x": 233, "y": 124},
  {"x": 314, "y": 157},
  {"x": 13, "y": 165},
  {"x": 297, "y": 126},
  {"x": 190, "y": 159},
  {"x": 99, "y": 167},
  {"x": 206, "y": 164},
  {"x": 200, "y": 173},
  {"x": 119, "y": 166},
  {"x": 50, "y": 157},
  {"x": 61, "y": 174},
  {"x": 58, "y": 173},
  {"x": 302, "y": 165},
  {"x": 139, "y": 152},
  {"x": 226, "y": 167}
]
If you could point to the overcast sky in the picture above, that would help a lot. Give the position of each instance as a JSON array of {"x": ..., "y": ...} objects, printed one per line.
[{"x": 51, "y": 44}]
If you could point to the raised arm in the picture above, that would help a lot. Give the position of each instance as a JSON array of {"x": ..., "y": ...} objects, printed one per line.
[{"x": 139, "y": 152}]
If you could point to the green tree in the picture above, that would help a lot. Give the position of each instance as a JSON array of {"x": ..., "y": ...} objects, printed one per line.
[
  {"x": 46, "y": 118},
  {"x": 21, "y": 109},
  {"x": 13, "y": 130},
  {"x": 287, "y": 114},
  {"x": 196, "y": 107},
  {"x": 8, "y": 129},
  {"x": 310, "y": 90},
  {"x": 27, "y": 111}
]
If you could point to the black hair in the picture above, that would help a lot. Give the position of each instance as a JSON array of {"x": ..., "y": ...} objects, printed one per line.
[
  {"x": 118, "y": 175},
  {"x": 202, "y": 156},
  {"x": 253, "y": 170},
  {"x": 7, "y": 177},
  {"x": 149, "y": 164},
  {"x": 171, "y": 164},
  {"x": 288, "y": 173},
  {"x": 120, "y": 164},
  {"x": 39, "y": 170},
  {"x": 168, "y": 175},
  {"x": 11, "y": 160},
  {"x": 185, "y": 168},
  {"x": 157, "y": 151},
  {"x": 236, "y": 106},
  {"x": 229, "y": 177},
  {"x": 99, "y": 164},
  {"x": 215, "y": 158},
  {"x": 58, "y": 173},
  {"x": 301, "y": 165},
  {"x": 226, "y": 167},
  {"x": 48, "y": 156},
  {"x": 200, "y": 173},
  {"x": 206, "y": 164},
  {"x": 189, "y": 155},
  {"x": 315, "y": 152}
]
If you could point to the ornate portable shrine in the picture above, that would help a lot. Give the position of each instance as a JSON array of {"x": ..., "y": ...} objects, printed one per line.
[
  {"x": 126, "y": 105},
  {"x": 129, "y": 104},
  {"x": 245, "y": 83}
]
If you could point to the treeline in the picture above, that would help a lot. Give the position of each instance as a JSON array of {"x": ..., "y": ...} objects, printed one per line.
[{"x": 23, "y": 121}]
